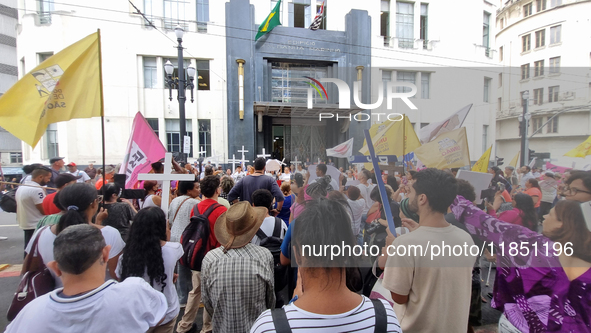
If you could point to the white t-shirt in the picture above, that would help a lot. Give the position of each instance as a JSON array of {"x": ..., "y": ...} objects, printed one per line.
[
  {"x": 84, "y": 176},
  {"x": 129, "y": 306},
  {"x": 365, "y": 192},
  {"x": 171, "y": 253},
  {"x": 27, "y": 213},
  {"x": 357, "y": 207},
  {"x": 45, "y": 247},
  {"x": 360, "y": 319},
  {"x": 285, "y": 177},
  {"x": 267, "y": 227}
]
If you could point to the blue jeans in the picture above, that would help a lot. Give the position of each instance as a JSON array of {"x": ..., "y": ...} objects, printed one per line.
[{"x": 184, "y": 283}]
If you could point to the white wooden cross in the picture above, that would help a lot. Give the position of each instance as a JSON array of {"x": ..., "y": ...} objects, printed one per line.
[
  {"x": 263, "y": 154},
  {"x": 296, "y": 162},
  {"x": 214, "y": 159},
  {"x": 166, "y": 177},
  {"x": 234, "y": 161},
  {"x": 201, "y": 152},
  {"x": 243, "y": 160}
]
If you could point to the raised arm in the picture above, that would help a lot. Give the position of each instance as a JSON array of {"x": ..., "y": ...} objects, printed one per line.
[{"x": 526, "y": 244}]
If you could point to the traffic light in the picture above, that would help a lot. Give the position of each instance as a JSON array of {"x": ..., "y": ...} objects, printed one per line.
[
  {"x": 499, "y": 160},
  {"x": 532, "y": 153}
]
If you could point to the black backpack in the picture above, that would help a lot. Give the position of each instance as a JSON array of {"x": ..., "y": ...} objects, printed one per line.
[
  {"x": 273, "y": 243},
  {"x": 8, "y": 201},
  {"x": 195, "y": 238}
]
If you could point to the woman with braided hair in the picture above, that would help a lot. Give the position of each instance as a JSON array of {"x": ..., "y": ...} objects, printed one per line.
[{"x": 150, "y": 255}]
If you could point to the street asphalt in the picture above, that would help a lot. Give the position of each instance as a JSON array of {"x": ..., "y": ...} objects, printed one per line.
[{"x": 11, "y": 253}]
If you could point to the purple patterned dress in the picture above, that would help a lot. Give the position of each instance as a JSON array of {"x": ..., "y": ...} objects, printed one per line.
[{"x": 532, "y": 290}]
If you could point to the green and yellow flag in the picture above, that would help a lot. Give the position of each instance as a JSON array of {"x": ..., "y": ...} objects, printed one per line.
[
  {"x": 515, "y": 160},
  {"x": 63, "y": 87},
  {"x": 270, "y": 22},
  {"x": 581, "y": 150},
  {"x": 482, "y": 164}
]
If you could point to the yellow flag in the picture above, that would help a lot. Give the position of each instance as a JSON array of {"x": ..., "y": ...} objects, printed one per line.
[
  {"x": 387, "y": 138},
  {"x": 63, "y": 87},
  {"x": 581, "y": 150},
  {"x": 448, "y": 150},
  {"x": 515, "y": 160},
  {"x": 482, "y": 164}
]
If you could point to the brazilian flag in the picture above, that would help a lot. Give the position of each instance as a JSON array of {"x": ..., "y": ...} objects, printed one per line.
[{"x": 270, "y": 22}]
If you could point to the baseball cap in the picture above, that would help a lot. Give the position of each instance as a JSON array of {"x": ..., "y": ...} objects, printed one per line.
[
  {"x": 55, "y": 159},
  {"x": 71, "y": 164}
]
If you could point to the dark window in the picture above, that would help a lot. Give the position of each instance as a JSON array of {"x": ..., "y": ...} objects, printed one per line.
[
  {"x": 527, "y": 9},
  {"x": 385, "y": 23},
  {"x": 301, "y": 15},
  {"x": 16, "y": 157},
  {"x": 203, "y": 74},
  {"x": 525, "y": 43},
  {"x": 173, "y": 136},
  {"x": 153, "y": 122},
  {"x": 553, "y": 94},
  {"x": 205, "y": 136},
  {"x": 424, "y": 24}
]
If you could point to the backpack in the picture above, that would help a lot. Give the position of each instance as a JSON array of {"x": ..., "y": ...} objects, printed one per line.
[
  {"x": 8, "y": 201},
  {"x": 280, "y": 272},
  {"x": 195, "y": 238},
  {"x": 272, "y": 243}
]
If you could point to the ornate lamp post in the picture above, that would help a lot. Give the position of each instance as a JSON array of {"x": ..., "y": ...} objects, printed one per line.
[{"x": 181, "y": 84}]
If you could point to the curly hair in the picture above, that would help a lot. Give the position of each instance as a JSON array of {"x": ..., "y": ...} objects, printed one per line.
[
  {"x": 319, "y": 188},
  {"x": 143, "y": 253}
]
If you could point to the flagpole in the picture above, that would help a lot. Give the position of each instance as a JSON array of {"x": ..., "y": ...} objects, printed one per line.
[
  {"x": 102, "y": 111},
  {"x": 403, "y": 143}
]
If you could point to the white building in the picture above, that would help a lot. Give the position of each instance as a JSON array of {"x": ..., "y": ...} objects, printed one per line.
[
  {"x": 133, "y": 55},
  {"x": 450, "y": 61},
  {"x": 10, "y": 147},
  {"x": 544, "y": 48}
]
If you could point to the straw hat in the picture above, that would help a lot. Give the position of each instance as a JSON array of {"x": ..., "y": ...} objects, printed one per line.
[{"x": 237, "y": 226}]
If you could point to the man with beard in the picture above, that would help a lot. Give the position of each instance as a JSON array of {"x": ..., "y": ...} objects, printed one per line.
[
  {"x": 29, "y": 201},
  {"x": 423, "y": 285}
]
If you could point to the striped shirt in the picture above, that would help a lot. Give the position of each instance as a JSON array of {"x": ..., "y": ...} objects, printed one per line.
[
  {"x": 360, "y": 319},
  {"x": 237, "y": 286}
]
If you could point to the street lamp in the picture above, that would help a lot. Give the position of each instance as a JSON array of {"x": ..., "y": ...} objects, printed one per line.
[
  {"x": 181, "y": 84},
  {"x": 524, "y": 122}
]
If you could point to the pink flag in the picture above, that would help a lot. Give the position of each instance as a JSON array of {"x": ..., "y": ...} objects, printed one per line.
[
  {"x": 556, "y": 168},
  {"x": 143, "y": 149}
]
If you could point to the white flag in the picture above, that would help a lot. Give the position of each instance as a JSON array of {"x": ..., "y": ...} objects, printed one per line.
[
  {"x": 344, "y": 149},
  {"x": 455, "y": 121}
]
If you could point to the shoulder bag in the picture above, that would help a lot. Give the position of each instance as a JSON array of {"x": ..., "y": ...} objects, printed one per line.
[{"x": 36, "y": 280}]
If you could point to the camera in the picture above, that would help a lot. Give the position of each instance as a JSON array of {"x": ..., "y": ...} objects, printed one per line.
[{"x": 375, "y": 227}]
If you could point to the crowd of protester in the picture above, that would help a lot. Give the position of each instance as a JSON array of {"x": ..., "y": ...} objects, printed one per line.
[{"x": 121, "y": 265}]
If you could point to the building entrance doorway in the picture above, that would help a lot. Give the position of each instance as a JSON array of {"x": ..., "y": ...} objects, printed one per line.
[{"x": 302, "y": 141}]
